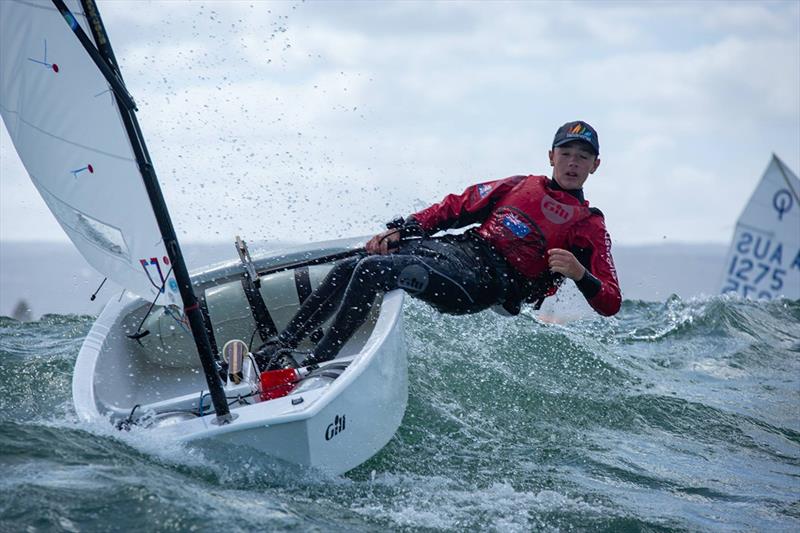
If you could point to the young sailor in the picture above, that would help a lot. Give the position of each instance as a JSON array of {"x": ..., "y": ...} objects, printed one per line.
[{"x": 533, "y": 232}]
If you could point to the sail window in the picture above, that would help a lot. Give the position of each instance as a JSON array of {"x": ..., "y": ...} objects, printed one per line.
[
  {"x": 104, "y": 236},
  {"x": 107, "y": 237}
]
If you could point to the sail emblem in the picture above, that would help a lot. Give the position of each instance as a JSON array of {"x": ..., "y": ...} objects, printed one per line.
[
  {"x": 52, "y": 66},
  {"x": 162, "y": 278},
  {"x": 77, "y": 171},
  {"x": 782, "y": 202}
]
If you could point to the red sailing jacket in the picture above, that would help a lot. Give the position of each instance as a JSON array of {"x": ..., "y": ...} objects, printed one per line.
[{"x": 523, "y": 217}]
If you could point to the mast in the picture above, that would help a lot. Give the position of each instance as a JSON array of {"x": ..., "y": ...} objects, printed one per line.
[{"x": 104, "y": 57}]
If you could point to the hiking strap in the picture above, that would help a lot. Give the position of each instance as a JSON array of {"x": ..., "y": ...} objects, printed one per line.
[
  {"x": 302, "y": 281},
  {"x": 264, "y": 323}
]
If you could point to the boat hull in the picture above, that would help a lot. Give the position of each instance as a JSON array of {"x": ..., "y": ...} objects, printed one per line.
[{"x": 333, "y": 427}]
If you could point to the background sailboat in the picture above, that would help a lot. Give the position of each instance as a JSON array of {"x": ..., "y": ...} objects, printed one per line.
[{"x": 764, "y": 257}]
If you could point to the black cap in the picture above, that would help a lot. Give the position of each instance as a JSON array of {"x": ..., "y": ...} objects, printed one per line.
[{"x": 577, "y": 131}]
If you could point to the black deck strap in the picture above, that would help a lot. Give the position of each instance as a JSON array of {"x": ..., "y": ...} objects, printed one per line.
[
  {"x": 207, "y": 323},
  {"x": 302, "y": 281},
  {"x": 264, "y": 323}
]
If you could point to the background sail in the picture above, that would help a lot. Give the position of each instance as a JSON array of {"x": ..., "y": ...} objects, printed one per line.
[
  {"x": 764, "y": 258},
  {"x": 63, "y": 120}
]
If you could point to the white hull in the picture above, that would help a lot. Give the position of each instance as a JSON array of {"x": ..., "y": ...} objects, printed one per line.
[{"x": 333, "y": 428}]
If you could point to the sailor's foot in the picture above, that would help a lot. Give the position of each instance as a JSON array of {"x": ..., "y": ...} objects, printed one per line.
[
  {"x": 310, "y": 360},
  {"x": 283, "y": 358},
  {"x": 266, "y": 351}
]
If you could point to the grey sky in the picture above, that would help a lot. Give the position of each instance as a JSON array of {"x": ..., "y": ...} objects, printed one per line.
[{"x": 317, "y": 120}]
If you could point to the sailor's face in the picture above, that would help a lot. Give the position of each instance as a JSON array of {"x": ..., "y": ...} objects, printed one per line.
[{"x": 572, "y": 164}]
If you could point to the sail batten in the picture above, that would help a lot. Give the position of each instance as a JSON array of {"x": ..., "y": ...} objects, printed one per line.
[{"x": 73, "y": 143}]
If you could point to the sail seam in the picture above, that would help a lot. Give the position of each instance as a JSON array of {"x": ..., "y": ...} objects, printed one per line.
[
  {"x": 755, "y": 229},
  {"x": 73, "y": 143}
]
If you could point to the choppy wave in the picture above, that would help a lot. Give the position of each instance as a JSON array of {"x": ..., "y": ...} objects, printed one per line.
[{"x": 681, "y": 415}]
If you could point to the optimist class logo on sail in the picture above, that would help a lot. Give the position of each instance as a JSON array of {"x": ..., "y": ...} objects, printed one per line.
[{"x": 782, "y": 202}]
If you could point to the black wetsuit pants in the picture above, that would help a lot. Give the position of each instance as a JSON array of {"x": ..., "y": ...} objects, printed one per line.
[{"x": 457, "y": 274}]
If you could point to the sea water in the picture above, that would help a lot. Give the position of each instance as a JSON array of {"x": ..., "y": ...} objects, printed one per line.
[{"x": 671, "y": 416}]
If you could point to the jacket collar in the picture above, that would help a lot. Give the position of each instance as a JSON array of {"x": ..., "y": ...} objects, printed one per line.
[{"x": 577, "y": 193}]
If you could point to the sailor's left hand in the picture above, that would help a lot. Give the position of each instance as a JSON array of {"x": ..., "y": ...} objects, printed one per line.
[
  {"x": 564, "y": 262},
  {"x": 384, "y": 243}
]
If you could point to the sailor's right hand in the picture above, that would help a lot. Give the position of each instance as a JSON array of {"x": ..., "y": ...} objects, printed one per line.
[{"x": 384, "y": 243}]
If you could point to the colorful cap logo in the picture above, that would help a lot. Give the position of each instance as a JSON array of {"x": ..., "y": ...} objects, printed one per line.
[{"x": 577, "y": 131}]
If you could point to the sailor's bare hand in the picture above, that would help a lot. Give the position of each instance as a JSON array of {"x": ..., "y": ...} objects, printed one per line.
[
  {"x": 565, "y": 263},
  {"x": 384, "y": 242}
]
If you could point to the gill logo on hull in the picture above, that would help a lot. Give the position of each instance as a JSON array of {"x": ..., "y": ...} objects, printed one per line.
[{"x": 336, "y": 427}]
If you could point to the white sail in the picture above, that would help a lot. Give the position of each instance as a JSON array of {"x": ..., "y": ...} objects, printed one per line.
[
  {"x": 764, "y": 258},
  {"x": 64, "y": 122}
]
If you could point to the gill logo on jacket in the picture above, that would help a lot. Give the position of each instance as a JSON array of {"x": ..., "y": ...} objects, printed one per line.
[{"x": 555, "y": 211}]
